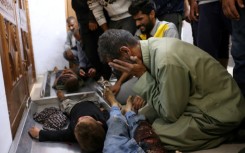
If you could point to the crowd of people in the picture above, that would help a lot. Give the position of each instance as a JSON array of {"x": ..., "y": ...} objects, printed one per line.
[{"x": 169, "y": 94}]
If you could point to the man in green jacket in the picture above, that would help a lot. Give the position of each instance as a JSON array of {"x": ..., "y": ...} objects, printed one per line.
[{"x": 192, "y": 101}]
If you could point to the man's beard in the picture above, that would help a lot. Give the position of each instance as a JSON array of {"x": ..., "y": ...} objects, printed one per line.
[{"x": 148, "y": 28}]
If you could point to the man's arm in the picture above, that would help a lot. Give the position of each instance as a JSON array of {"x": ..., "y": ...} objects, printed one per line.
[
  {"x": 167, "y": 92},
  {"x": 67, "y": 45},
  {"x": 187, "y": 11},
  {"x": 168, "y": 95},
  {"x": 116, "y": 87},
  {"x": 194, "y": 13},
  {"x": 97, "y": 10}
]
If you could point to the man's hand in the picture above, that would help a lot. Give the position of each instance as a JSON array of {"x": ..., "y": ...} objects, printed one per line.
[
  {"x": 194, "y": 13},
  {"x": 34, "y": 132},
  {"x": 69, "y": 55},
  {"x": 138, "y": 103},
  {"x": 92, "y": 26},
  {"x": 229, "y": 8},
  {"x": 187, "y": 11},
  {"x": 135, "y": 69},
  {"x": 91, "y": 72},
  {"x": 82, "y": 72}
]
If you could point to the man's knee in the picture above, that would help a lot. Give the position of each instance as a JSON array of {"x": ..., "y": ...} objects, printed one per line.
[{"x": 149, "y": 113}]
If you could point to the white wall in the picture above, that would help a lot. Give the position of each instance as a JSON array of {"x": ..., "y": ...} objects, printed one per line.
[
  {"x": 186, "y": 34},
  {"x": 48, "y": 25},
  {"x": 5, "y": 132}
]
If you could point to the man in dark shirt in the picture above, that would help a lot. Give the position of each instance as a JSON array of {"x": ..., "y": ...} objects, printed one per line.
[{"x": 90, "y": 32}]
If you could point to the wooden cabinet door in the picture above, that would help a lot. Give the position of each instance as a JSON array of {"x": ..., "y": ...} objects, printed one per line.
[
  {"x": 26, "y": 42},
  {"x": 69, "y": 10},
  {"x": 17, "y": 64}
]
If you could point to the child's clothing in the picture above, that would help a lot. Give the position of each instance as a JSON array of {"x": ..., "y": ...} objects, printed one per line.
[
  {"x": 120, "y": 132},
  {"x": 81, "y": 108},
  {"x": 130, "y": 134}
]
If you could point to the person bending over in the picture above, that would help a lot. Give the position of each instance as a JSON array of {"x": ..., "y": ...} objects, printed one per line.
[{"x": 193, "y": 102}]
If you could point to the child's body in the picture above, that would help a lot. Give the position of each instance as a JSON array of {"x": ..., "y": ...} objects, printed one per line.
[{"x": 87, "y": 125}]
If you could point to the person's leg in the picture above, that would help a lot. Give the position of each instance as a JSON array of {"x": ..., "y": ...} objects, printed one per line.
[
  {"x": 190, "y": 133},
  {"x": 126, "y": 24},
  {"x": 194, "y": 28},
  {"x": 142, "y": 131},
  {"x": 224, "y": 47},
  {"x": 132, "y": 118},
  {"x": 209, "y": 28},
  {"x": 223, "y": 54},
  {"x": 117, "y": 137},
  {"x": 175, "y": 18},
  {"x": 90, "y": 39},
  {"x": 238, "y": 50}
]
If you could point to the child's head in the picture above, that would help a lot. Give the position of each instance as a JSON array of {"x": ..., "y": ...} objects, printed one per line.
[
  {"x": 90, "y": 134},
  {"x": 72, "y": 83}
]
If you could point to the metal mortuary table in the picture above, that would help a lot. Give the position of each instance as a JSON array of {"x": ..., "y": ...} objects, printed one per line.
[{"x": 22, "y": 142}]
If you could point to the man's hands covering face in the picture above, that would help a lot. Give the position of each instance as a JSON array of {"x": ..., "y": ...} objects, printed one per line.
[{"x": 137, "y": 68}]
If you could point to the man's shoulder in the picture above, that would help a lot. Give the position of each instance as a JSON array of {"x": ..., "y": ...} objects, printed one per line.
[
  {"x": 166, "y": 23},
  {"x": 69, "y": 33}
]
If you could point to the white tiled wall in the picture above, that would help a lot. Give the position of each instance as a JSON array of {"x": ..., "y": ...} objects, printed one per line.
[{"x": 5, "y": 132}]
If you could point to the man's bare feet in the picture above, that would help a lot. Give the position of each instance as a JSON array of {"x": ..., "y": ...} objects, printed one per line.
[
  {"x": 60, "y": 95},
  {"x": 110, "y": 98},
  {"x": 128, "y": 106}
]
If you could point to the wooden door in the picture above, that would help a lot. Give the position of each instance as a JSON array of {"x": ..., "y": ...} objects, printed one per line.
[
  {"x": 69, "y": 10},
  {"x": 26, "y": 42},
  {"x": 15, "y": 61}
]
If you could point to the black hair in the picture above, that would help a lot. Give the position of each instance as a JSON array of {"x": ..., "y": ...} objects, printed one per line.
[
  {"x": 145, "y": 6},
  {"x": 72, "y": 84}
]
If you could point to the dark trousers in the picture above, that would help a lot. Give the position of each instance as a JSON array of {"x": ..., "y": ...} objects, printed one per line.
[
  {"x": 175, "y": 18},
  {"x": 90, "y": 45},
  {"x": 214, "y": 30},
  {"x": 238, "y": 50},
  {"x": 126, "y": 24}
]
